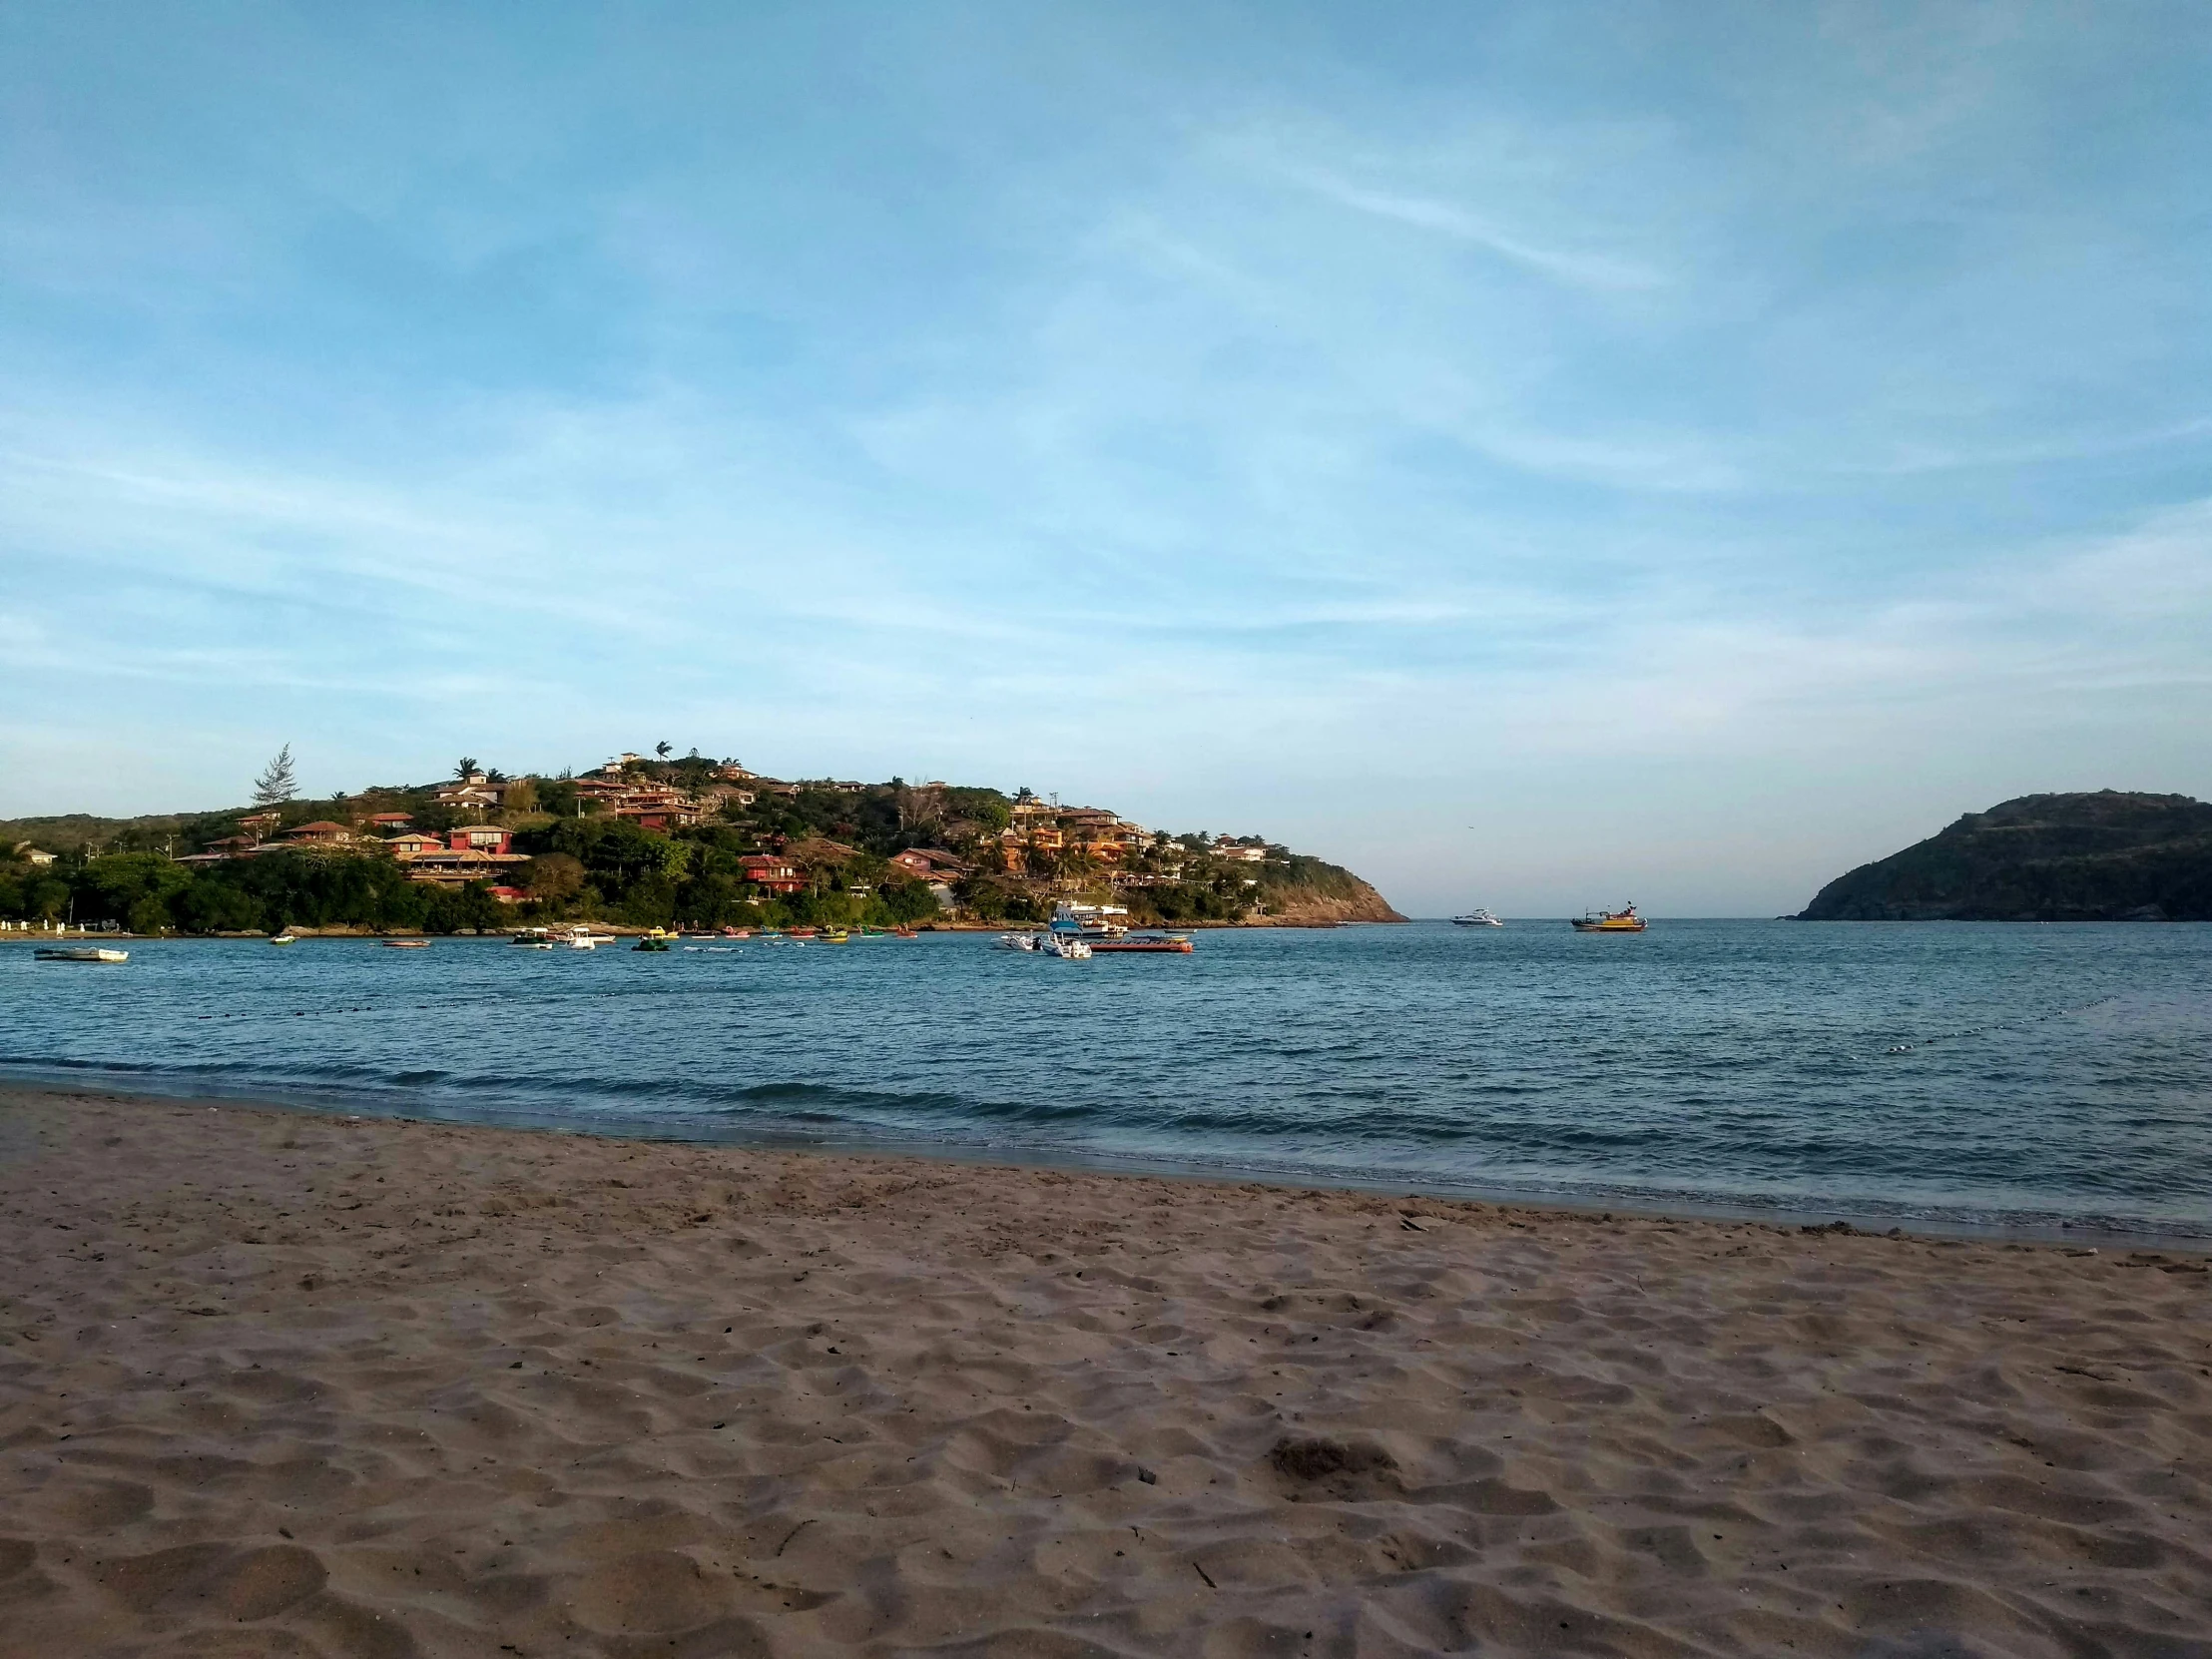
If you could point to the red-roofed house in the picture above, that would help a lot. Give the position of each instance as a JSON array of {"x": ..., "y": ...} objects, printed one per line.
[
  {"x": 479, "y": 839},
  {"x": 388, "y": 821},
  {"x": 771, "y": 872},
  {"x": 323, "y": 832},
  {"x": 928, "y": 863}
]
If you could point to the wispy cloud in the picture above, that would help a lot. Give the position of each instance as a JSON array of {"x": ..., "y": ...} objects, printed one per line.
[{"x": 1577, "y": 268}]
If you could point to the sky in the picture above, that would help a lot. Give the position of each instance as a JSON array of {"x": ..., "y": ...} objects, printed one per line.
[{"x": 1539, "y": 455}]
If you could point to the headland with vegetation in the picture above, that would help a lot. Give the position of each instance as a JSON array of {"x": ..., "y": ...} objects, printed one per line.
[{"x": 647, "y": 840}]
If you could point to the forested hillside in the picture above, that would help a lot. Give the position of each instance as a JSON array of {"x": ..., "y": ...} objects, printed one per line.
[
  {"x": 653, "y": 843},
  {"x": 2107, "y": 856}
]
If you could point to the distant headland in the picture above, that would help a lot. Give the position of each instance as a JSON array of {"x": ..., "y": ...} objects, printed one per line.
[
  {"x": 648, "y": 840},
  {"x": 2107, "y": 856}
]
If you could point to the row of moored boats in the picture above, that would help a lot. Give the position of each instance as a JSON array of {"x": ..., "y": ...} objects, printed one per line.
[
  {"x": 1079, "y": 932},
  {"x": 1623, "y": 921}
]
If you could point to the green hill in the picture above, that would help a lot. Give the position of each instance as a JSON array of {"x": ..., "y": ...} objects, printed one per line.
[
  {"x": 678, "y": 841},
  {"x": 2107, "y": 856}
]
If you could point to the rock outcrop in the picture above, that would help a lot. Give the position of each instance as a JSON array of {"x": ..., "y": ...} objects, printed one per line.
[
  {"x": 2107, "y": 856},
  {"x": 1297, "y": 908}
]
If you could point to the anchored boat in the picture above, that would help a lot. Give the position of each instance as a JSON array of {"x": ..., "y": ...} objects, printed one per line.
[
  {"x": 1623, "y": 921},
  {"x": 82, "y": 953},
  {"x": 1477, "y": 917}
]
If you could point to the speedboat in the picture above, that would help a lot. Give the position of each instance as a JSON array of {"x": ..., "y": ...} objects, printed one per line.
[
  {"x": 532, "y": 938},
  {"x": 1066, "y": 946},
  {"x": 1623, "y": 921},
  {"x": 82, "y": 953},
  {"x": 1477, "y": 917},
  {"x": 1017, "y": 941}
]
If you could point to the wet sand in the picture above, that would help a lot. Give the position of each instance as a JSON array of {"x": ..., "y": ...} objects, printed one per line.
[{"x": 289, "y": 1384}]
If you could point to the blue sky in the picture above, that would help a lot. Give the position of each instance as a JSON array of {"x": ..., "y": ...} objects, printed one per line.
[{"x": 1538, "y": 455}]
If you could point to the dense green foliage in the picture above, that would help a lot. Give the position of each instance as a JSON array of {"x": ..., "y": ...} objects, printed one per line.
[
  {"x": 2108, "y": 856},
  {"x": 585, "y": 864},
  {"x": 147, "y": 894}
]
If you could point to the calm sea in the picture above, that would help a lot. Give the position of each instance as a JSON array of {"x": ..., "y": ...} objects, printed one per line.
[{"x": 1984, "y": 1075}]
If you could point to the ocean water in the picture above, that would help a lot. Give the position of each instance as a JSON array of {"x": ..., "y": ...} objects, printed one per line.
[{"x": 1979, "y": 1075}]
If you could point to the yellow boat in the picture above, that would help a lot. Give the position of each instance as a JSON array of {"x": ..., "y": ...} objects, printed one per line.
[
  {"x": 1622, "y": 921},
  {"x": 836, "y": 935}
]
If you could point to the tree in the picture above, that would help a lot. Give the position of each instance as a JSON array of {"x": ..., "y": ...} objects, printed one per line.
[
  {"x": 277, "y": 786},
  {"x": 554, "y": 878},
  {"x": 463, "y": 767}
]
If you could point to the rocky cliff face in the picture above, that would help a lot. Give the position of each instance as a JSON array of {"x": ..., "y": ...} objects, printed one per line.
[
  {"x": 1363, "y": 904},
  {"x": 2108, "y": 856}
]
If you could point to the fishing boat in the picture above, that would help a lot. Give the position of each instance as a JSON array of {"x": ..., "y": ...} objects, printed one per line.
[
  {"x": 1477, "y": 917},
  {"x": 404, "y": 945},
  {"x": 82, "y": 953},
  {"x": 1623, "y": 921}
]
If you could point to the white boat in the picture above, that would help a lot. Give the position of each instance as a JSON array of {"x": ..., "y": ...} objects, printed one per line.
[
  {"x": 288, "y": 936},
  {"x": 1477, "y": 917},
  {"x": 532, "y": 938},
  {"x": 1017, "y": 941},
  {"x": 82, "y": 953},
  {"x": 1066, "y": 946},
  {"x": 1091, "y": 922},
  {"x": 580, "y": 939}
]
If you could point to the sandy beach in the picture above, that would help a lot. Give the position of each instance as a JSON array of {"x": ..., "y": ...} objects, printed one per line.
[{"x": 280, "y": 1384}]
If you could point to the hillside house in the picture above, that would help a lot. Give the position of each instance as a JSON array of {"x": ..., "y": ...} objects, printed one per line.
[
  {"x": 930, "y": 864},
  {"x": 1241, "y": 855},
  {"x": 456, "y": 868},
  {"x": 470, "y": 797},
  {"x": 774, "y": 873},
  {"x": 480, "y": 839},
  {"x": 410, "y": 842},
  {"x": 321, "y": 832},
  {"x": 386, "y": 824}
]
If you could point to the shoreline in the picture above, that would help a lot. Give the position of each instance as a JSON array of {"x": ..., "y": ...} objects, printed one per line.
[
  {"x": 2051, "y": 1231},
  {"x": 292, "y": 1382}
]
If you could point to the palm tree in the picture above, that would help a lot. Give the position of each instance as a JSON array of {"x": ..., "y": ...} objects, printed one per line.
[{"x": 463, "y": 767}]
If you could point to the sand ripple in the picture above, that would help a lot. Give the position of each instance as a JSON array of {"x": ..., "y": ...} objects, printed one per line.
[{"x": 282, "y": 1384}]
